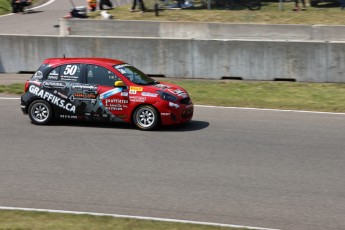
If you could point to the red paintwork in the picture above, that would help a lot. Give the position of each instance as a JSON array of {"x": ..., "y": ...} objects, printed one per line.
[{"x": 170, "y": 113}]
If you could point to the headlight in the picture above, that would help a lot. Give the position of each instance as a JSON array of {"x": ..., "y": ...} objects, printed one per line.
[{"x": 167, "y": 96}]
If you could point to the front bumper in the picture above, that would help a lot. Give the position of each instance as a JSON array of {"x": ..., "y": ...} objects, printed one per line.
[{"x": 177, "y": 114}]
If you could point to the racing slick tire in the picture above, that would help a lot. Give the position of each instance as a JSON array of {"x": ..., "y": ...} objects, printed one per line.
[
  {"x": 145, "y": 117},
  {"x": 40, "y": 112}
]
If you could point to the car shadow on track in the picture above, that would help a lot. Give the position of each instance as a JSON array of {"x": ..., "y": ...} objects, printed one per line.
[{"x": 193, "y": 125}]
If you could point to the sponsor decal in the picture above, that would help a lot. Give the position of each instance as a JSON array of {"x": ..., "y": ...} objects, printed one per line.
[
  {"x": 132, "y": 92},
  {"x": 115, "y": 104},
  {"x": 110, "y": 93},
  {"x": 38, "y": 75},
  {"x": 36, "y": 83},
  {"x": 162, "y": 86},
  {"x": 124, "y": 94},
  {"x": 69, "y": 78},
  {"x": 54, "y": 84},
  {"x": 114, "y": 108},
  {"x": 68, "y": 117},
  {"x": 165, "y": 114},
  {"x": 117, "y": 101},
  {"x": 85, "y": 96},
  {"x": 137, "y": 99},
  {"x": 81, "y": 87},
  {"x": 51, "y": 77},
  {"x": 148, "y": 94},
  {"x": 122, "y": 65},
  {"x": 135, "y": 88},
  {"x": 179, "y": 92},
  {"x": 60, "y": 94},
  {"x": 55, "y": 100}
]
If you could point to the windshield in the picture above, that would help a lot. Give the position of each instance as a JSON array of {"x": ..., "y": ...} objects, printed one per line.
[{"x": 135, "y": 75}]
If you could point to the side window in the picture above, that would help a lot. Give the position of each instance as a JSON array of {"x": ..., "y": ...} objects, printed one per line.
[
  {"x": 99, "y": 75},
  {"x": 70, "y": 72},
  {"x": 54, "y": 74}
]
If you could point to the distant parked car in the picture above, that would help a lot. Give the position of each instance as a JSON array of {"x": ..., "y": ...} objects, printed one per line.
[{"x": 100, "y": 89}]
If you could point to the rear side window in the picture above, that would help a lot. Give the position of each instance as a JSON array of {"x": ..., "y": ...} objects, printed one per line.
[
  {"x": 99, "y": 75},
  {"x": 54, "y": 74},
  {"x": 40, "y": 72},
  {"x": 69, "y": 72}
]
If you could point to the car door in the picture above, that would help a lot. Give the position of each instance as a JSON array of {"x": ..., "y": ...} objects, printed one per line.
[
  {"x": 112, "y": 101},
  {"x": 57, "y": 87}
]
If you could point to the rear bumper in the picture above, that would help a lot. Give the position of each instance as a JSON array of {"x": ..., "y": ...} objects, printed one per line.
[{"x": 24, "y": 104}]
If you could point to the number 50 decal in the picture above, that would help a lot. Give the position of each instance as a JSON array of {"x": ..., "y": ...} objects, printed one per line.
[{"x": 70, "y": 70}]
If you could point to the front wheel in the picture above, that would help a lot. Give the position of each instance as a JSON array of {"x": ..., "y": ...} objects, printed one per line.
[
  {"x": 40, "y": 112},
  {"x": 145, "y": 117}
]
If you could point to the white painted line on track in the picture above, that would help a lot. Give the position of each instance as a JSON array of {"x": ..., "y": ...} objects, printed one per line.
[
  {"x": 43, "y": 5},
  {"x": 224, "y": 107},
  {"x": 260, "y": 109},
  {"x": 9, "y": 98},
  {"x": 134, "y": 217}
]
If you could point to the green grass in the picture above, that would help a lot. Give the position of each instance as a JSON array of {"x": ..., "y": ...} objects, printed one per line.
[
  {"x": 274, "y": 95},
  {"x": 326, "y": 97},
  {"x": 270, "y": 13},
  {"x": 16, "y": 88},
  {"x": 23, "y": 220},
  {"x": 5, "y": 7}
]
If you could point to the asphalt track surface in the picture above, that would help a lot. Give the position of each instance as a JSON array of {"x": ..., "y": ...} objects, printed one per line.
[
  {"x": 264, "y": 168},
  {"x": 43, "y": 19}
]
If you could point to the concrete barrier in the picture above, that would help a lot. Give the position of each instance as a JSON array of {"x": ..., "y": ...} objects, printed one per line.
[
  {"x": 200, "y": 30},
  {"x": 307, "y": 61}
]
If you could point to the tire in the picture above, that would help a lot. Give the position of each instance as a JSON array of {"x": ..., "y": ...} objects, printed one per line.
[
  {"x": 145, "y": 117},
  {"x": 40, "y": 112}
]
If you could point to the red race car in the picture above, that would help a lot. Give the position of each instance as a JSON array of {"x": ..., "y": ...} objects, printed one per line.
[{"x": 101, "y": 89}]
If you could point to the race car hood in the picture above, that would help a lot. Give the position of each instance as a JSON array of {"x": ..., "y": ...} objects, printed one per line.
[{"x": 171, "y": 88}]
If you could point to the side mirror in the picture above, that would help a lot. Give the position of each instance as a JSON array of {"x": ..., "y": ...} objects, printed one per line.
[{"x": 119, "y": 84}]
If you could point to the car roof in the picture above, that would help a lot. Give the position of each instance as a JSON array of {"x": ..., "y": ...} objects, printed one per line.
[{"x": 91, "y": 60}]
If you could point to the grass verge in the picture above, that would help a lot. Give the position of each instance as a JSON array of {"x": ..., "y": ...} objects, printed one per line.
[
  {"x": 24, "y": 220},
  {"x": 326, "y": 97},
  {"x": 16, "y": 88},
  {"x": 270, "y": 13}
]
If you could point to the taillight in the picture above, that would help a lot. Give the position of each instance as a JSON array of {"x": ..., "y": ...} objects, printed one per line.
[{"x": 26, "y": 87}]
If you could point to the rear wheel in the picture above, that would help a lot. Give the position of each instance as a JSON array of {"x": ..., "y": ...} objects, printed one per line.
[
  {"x": 145, "y": 117},
  {"x": 40, "y": 112}
]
